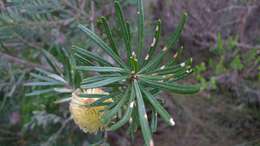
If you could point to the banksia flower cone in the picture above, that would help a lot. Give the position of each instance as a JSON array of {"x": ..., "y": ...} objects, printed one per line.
[{"x": 87, "y": 117}]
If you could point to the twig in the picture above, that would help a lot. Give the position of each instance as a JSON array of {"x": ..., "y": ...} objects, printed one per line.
[
  {"x": 56, "y": 135},
  {"x": 2, "y": 5},
  {"x": 232, "y": 7},
  {"x": 21, "y": 62},
  {"x": 92, "y": 15}
]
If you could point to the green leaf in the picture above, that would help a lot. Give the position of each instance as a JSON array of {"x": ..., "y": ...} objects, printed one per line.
[
  {"x": 63, "y": 90},
  {"x": 104, "y": 82},
  {"x": 101, "y": 69},
  {"x": 123, "y": 120},
  {"x": 52, "y": 62},
  {"x": 43, "y": 78},
  {"x": 63, "y": 100},
  {"x": 169, "y": 71},
  {"x": 154, "y": 43},
  {"x": 171, "y": 42},
  {"x": 174, "y": 87},
  {"x": 178, "y": 77},
  {"x": 39, "y": 92},
  {"x": 149, "y": 77},
  {"x": 127, "y": 115},
  {"x": 176, "y": 35},
  {"x": 171, "y": 68},
  {"x": 163, "y": 113},
  {"x": 95, "y": 96},
  {"x": 51, "y": 75},
  {"x": 109, "y": 114},
  {"x": 102, "y": 45},
  {"x": 219, "y": 49},
  {"x": 129, "y": 32},
  {"x": 100, "y": 102},
  {"x": 67, "y": 64},
  {"x": 43, "y": 84},
  {"x": 109, "y": 34},
  {"x": 97, "y": 78},
  {"x": 134, "y": 63},
  {"x": 91, "y": 56},
  {"x": 143, "y": 116},
  {"x": 152, "y": 63},
  {"x": 133, "y": 122},
  {"x": 83, "y": 60},
  {"x": 140, "y": 13},
  {"x": 236, "y": 63},
  {"x": 75, "y": 74},
  {"x": 154, "y": 121},
  {"x": 123, "y": 27}
]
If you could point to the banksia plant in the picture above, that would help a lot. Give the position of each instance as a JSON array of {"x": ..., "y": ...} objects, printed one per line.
[{"x": 114, "y": 93}]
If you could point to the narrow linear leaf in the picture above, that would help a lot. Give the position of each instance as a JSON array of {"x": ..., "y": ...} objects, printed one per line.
[
  {"x": 91, "y": 56},
  {"x": 98, "y": 78},
  {"x": 101, "y": 69},
  {"x": 43, "y": 84},
  {"x": 109, "y": 34},
  {"x": 123, "y": 26},
  {"x": 100, "y": 102},
  {"x": 174, "y": 87},
  {"x": 102, "y": 45},
  {"x": 160, "y": 109},
  {"x": 63, "y": 90},
  {"x": 154, "y": 121},
  {"x": 104, "y": 82},
  {"x": 43, "y": 78},
  {"x": 152, "y": 63},
  {"x": 95, "y": 96},
  {"x": 52, "y": 62},
  {"x": 39, "y": 92},
  {"x": 109, "y": 114},
  {"x": 67, "y": 64},
  {"x": 52, "y": 75},
  {"x": 173, "y": 72},
  {"x": 129, "y": 32},
  {"x": 133, "y": 122},
  {"x": 179, "y": 77},
  {"x": 83, "y": 60},
  {"x": 171, "y": 42},
  {"x": 169, "y": 68},
  {"x": 140, "y": 13},
  {"x": 176, "y": 35},
  {"x": 127, "y": 115},
  {"x": 154, "y": 43},
  {"x": 63, "y": 100},
  {"x": 143, "y": 116},
  {"x": 123, "y": 120}
]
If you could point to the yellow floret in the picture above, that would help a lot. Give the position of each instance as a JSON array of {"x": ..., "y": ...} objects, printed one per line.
[{"x": 86, "y": 117}]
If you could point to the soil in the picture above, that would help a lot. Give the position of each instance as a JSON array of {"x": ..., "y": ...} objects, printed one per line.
[{"x": 204, "y": 120}]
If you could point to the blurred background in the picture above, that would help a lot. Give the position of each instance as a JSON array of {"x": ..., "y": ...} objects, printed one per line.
[{"x": 222, "y": 37}]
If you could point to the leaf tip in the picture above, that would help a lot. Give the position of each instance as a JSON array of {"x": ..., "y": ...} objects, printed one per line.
[
  {"x": 151, "y": 143},
  {"x": 172, "y": 122}
]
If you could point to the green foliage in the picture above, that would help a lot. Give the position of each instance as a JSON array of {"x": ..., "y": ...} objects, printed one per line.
[
  {"x": 64, "y": 80},
  {"x": 236, "y": 63},
  {"x": 32, "y": 24},
  {"x": 227, "y": 58},
  {"x": 209, "y": 84}
]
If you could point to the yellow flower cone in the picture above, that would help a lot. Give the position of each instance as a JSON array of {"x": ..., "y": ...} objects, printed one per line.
[{"x": 87, "y": 118}]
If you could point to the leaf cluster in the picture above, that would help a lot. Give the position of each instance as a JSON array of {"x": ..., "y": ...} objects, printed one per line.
[{"x": 133, "y": 82}]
